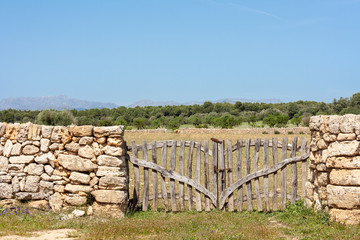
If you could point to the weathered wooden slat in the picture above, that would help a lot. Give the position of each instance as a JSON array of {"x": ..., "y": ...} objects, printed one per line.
[
  {"x": 174, "y": 175},
  {"x": 181, "y": 171},
  {"x": 221, "y": 170},
  {"x": 206, "y": 172},
  {"x": 136, "y": 193},
  {"x": 146, "y": 180},
  {"x": 172, "y": 181},
  {"x": 213, "y": 172},
  {"x": 283, "y": 174},
  {"x": 245, "y": 180},
  {"x": 198, "y": 176},
  {"x": 266, "y": 178},
  {"x": 230, "y": 175},
  {"x": 257, "y": 183},
  {"x": 303, "y": 168},
  {"x": 189, "y": 173},
  {"x": 163, "y": 183},
  {"x": 247, "y": 173},
  {"x": 294, "y": 174},
  {"x": 154, "y": 177},
  {"x": 275, "y": 160},
  {"x": 240, "y": 199}
]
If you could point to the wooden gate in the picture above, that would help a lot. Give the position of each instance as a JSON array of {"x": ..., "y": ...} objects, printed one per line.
[{"x": 223, "y": 176}]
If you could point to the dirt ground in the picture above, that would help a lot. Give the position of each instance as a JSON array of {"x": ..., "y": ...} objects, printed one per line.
[{"x": 59, "y": 234}]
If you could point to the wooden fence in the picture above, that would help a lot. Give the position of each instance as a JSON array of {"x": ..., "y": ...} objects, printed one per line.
[{"x": 229, "y": 177}]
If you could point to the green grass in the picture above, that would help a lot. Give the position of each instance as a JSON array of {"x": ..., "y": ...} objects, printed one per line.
[{"x": 295, "y": 222}]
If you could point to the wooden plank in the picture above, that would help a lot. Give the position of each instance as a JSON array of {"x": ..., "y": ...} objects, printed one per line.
[
  {"x": 163, "y": 183},
  {"x": 294, "y": 173},
  {"x": 240, "y": 198},
  {"x": 146, "y": 180},
  {"x": 230, "y": 174},
  {"x": 247, "y": 172},
  {"x": 257, "y": 183},
  {"x": 189, "y": 173},
  {"x": 221, "y": 169},
  {"x": 154, "y": 177},
  {"x": 275, "y": 160},
  {"x": 266, "y": 178},
  {"x": 198, "y": 176},
  {"x": 303, "y": 168},
  {"x": 136, "y": 193},
  {"x": 214, "y": 173},
  {"x": 181, "y": 171},
  {"x": 283, "y": 173},
  {"x": 172, "y": 181},
  {"x": 206, "y": 172}
]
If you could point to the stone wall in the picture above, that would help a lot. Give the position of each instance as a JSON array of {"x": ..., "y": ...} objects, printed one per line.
[
  {"x": 334, "y": 173},
  {"x": 66, "y": 166}
]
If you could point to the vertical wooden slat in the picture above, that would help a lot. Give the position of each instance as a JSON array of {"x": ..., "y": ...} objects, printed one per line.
[
  {"x": 303, "y": 167},
  {"x": 146, "y": 180},
  {"x": 189, "y": 173},
  {"x": 283, "y": 173},
  {"x": 294, "y": 172},
  {"x": 221, "y": 157},
  {"x": 198, "y": 175},
  {"x": 154, "y": 177},
  {"x": 136, "y": 194},
  {"x": 240, "y": 198},
  {"x": 172, "y": 181},
  {"x": 213, "y": 170},
  {"x": 275, "y": 160},
  {"x": 181, "y": 170},
  {"x": 163, "y": 183},
  {"x": 257, "y": 183},
  {"x": 266, "y": 178},
  {"x": 247, "y": 172},
  {"x": 206, "y": 172},
  {"x": 230, "y": 174}
]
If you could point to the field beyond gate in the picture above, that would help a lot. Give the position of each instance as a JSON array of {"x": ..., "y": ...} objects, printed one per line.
[{"x": 251, "y": 174}]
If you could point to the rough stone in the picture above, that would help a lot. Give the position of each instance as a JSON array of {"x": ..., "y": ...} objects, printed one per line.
[
  {"x": 59, "y": 188},
  {"x": 76, "y": 163},
  {"x": 57, "y": 134},
  {"x": 321, "y": 144},
  {"x": 34, "y": 169},
  {"x": 23, "y": 132},
  {"x": 2, "y": 129},
  {"x": 116, "y": 142},
  {"x": 15, "y": 184},
  {"x": 6, "y": 190},
  {"x": 86, "y": 140},
  {"x": 321, "y": 167},
  {"x": 5, "y": 179},
  {"x": 62, "y": 172},
  {"x": 77, "y": 188},
  {"x": 110, "y": 171},
  {"x": 334, "y": 124},
  {"x": 113, "y": 131},
  {"x": 81, "y": 178},
  {"x": 357, "y": 125},
  {"x": 12, "y": 131},
  {"x": 83, "y": 131},
  {"x": 72, "y": 147},
  {"x": 94, "y": 181},
  {"x": 54, "y": 146},
  {"x": 343, "y": 162},
  {"x": 16, "y": 150},
  {"x": 46, "y": 187},
  {"x": 44, "y": 145},
  {"x": 49, "y": 170},
  {"x": 348, "y": 217},
  {"x": 114, "y": 183},
  {"x": 315, "y": 122},
  {"x": 347, "y": 123},
  {"x": 30, "y": 150},
  {"x": 329, "y": 137},
  {"x": 109, "y": 210},
  {"x": 345, "y": 177},
  {"x": 4, "y": 164},
  {"x": 343, "y": 196},
  {"x": 34, "y": 132},
  {"x": 46, "y": 131},
  {"x": 86, "y": 152},
  {"x": 56, "y": 202},
  {"x": 113, "y": 151},
  {"x": 110, "y": 161},
  {"x": 100, "y": 140},
  {"x": 346, "y": 136},
  {"x": 32, "y": 183},
  {"x": 97, "y": 150},
  {"x": 75, "y": 200},
  {"x": 347, "y": 148},
  {"x": 323, "y": 178},
  {"x": 7, "y": 148},
  {"x": 9, "y": 203},
  {"x": 16, "y": 168},
  {"x": 24, "y": 159},
  {"x": 110, "y": 196},
  {"x": 42, "y": 204}
]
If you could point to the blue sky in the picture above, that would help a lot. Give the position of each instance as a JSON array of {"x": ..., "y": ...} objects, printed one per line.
[{"x": 123, "y": 51}]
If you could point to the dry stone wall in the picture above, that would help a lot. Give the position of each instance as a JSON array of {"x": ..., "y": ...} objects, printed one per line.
[
  {"x": 65, "y": 166},
  {"x": 334, "y": 173}
]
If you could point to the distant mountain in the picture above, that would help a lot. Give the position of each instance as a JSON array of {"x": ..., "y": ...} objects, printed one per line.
[
  {"x": 146, "y": 102},
  {"x": 51, "y": 102}
]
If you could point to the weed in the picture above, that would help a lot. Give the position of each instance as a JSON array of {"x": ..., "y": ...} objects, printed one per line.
[
  {"x": 290, "y": 132},
  {"x": 265, "y": 132},
  {"x": 276, "y": 132}
]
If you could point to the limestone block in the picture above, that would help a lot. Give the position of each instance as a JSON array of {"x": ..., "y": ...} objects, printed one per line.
[
  {"x": 34, "y": 132},
  {"x": 321, "y": 167},
  {"x": 55, "y": 201},
  {"x": 46, "y": 131},
  {"x": 4, "y": 164},
  {"x": 329, "y": 137},
  {"x": 110, "y": 196},
  {"x": 324, "y": 127},
  {"x": 113, "y": 131},
  {"x": 109, "y": 210},
  {"x": 16, "y": 149},
  {"x": 347, "y": 124},
  {"x": 321, "y": 144},
  {"x": 343, "y": 162},
  {"x": 21, "y": 159},
  {"x": 44, "y": 145},
  {"x": 32, "y": 183},
  {"x": 322, "y": 191},
  {"x": 42, "y": 204},
  {"x": 81, "y": 178},
  {"x": 86, "y": 140},
  {"x": 76, "y": 163},
  {"x": 15, "y": 183},
  {"x": 1, "y": 150},
  {"x": 22, "y": 184},
  {"x": 62, "y": 172},
  {"x": 315, "y": 123},
  {"x": 54, "y": 146},
  {"x": 7, "y": 148},
  {"x": 100, "y": 140},
  {"x": 334, "y": 124},
  {"x": 6, "y": 190},
  {"x": 110, "y": 161},
  {"x": 49, "y": 169},
  {"x": 72, "y": 147},
  {"x": 57, "y": 134},
  {"x": 346, "y": 136},
  {"x": 66, "y": 136},
  {"x": 46, "y": 187},
  {"x": 345, "y": 177},
  {"x": 23, "y": 196},
  {"x": 16, "y": 168},
  {"x": 75, "y": 200},
  {"x": 348, "y": 217},
  {"x": 94, "y": 181},
  {"x": 110, "y": 171},
  {"x": 30, "y": 150},
  {"x": 34, "y": 169},
  {"x": 323, "y": 178},
  {"x": 116, "y": 142},
  {"x": 114, "y": 183},
  {"x": 42, "y": 158},
  {"x": 77, "y": 188},
  {"x": 357, "y": 125},
  {"x": 12, "y": 131},
  {"x": 2, "y": 129},
  {"x": 86, "y": 152},
  {"x": 83, "y": 131},
  {"x": 5, "y": 179},
  {"x": 343, "y": 196},
  {"x": 59, "y": 188},
  {"x": 52, "y": 178},
  {"x": 97, "y": 150},
  {"x": 113, "y": 151},
  {"x": 346, "y": 148},
  {"x": 23, "y": 132}
]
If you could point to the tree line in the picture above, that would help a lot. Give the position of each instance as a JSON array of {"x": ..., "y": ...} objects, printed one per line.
[{"x": 221, "y": 115}]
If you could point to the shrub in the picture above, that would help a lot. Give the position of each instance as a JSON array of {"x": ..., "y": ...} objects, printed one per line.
[
  {"x": 290, "y": 132},
  {"x": 265, "y": 132},
  {"x": 276, "y": 132}
]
